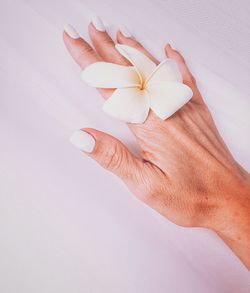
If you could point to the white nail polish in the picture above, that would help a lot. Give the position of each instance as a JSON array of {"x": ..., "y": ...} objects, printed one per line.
[
  {"x": 171, "y": 45},
  {"x": 83, "y": 141},
  {"x": 98, "y": 24},
  {"x": 125, "y": 31},
  {"x": 70, "y": 30}
]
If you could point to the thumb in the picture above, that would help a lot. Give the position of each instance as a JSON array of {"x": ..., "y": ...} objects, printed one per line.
[{"x": 109, "y": 152}]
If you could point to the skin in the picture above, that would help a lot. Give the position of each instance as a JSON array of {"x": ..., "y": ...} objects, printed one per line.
[{"x": 185, "y": 170}]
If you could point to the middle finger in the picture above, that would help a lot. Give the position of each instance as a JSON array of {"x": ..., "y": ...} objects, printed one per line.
[{"x": 105, "y": 47}]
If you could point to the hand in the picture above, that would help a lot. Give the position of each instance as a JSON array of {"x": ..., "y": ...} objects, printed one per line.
[{"x": 185, "y": 170}]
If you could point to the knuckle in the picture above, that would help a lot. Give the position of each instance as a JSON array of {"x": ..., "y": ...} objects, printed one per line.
[
  {"x": 108, "y": 41},
  {"x": 140, "y": 132},
  {"x": 112, "y": 158},
  {"x": 102, "y": 39},
  {"x": 190, "y": 80},
  {"x": 85, "y": 50}
]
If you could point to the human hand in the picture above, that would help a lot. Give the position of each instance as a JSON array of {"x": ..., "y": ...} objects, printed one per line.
[{"x": 185, "y": 170}]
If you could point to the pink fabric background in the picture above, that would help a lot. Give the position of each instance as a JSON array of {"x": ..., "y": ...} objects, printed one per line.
[{"x": 66, "y": 225}]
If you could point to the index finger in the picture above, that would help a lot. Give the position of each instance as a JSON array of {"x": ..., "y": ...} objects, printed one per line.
[{"x": 82, "y": 52}]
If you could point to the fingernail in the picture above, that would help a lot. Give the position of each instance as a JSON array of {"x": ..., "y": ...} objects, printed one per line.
[
  {"x": 171, "y": 46},
  {"x": 70, "y": 30},
  {"x": 125, "y": 31},
  {"x": 98, "y": 24},
  {"x": 83, "y": 141}
]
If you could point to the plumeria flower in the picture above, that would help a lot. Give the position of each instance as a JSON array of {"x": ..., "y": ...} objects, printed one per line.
[{"x": 140, "y": 87}]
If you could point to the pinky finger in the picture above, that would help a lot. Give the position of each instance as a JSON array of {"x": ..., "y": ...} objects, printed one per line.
[
  {"x": 186, "y": 74},
  {"x": 188, "y": 78}
]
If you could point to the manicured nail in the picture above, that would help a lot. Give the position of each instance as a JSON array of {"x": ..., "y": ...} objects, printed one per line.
[
  {"x": 70, "y": 30},
  {"x": 98, "y": 24},
  {"x": 171, "y": 46},
  {"x": 125, "y": 31},
  {"x": 83, "y": 141}
]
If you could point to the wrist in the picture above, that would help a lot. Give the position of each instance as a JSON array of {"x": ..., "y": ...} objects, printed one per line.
[
  {"x": 234, "y": 215},
  {"x": 233, "y": 222}
]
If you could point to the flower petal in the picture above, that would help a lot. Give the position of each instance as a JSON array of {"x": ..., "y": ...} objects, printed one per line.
[
  {"x": 167, "y": 70},
  {"x": 109, "y": 75},
  {"x": 167, "y": 98},
  {"x": 142, "y": 63},
  {"x": 128, "y": 104}
]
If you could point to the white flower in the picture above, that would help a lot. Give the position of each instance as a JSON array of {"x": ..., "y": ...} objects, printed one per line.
[{"x": 139, "y": 87}]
